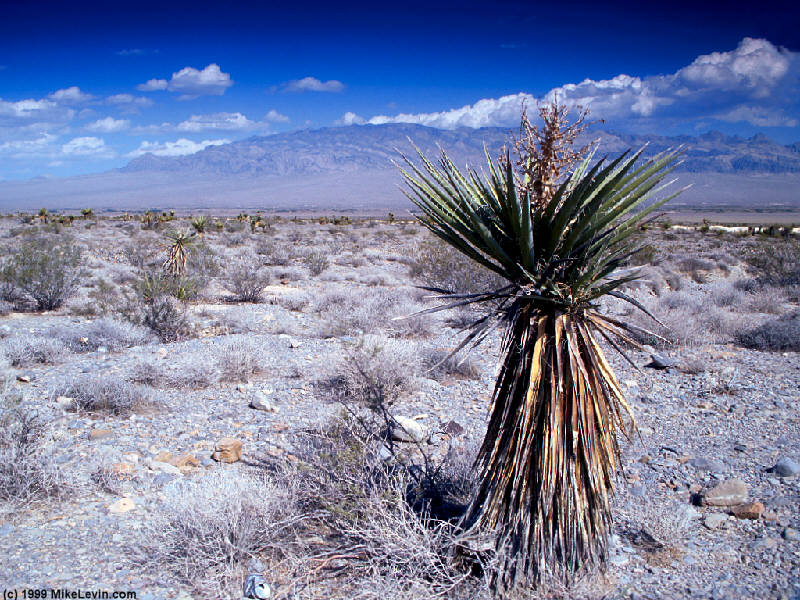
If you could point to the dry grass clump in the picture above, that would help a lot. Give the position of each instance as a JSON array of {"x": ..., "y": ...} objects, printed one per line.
[
  {"x": 439, "y": 265},
  {"x": 238, "y": 359},
  {"x": 781, "y": 334},
  {"x": 106, "y": 394},
  {"x": 439, "y": 364},
  {"x": 205, "y": 530},
  {"x": 23, "y": 351},
  {"x": 107, "y": 333},
  {"x": 376, "y": 371},
  {"x": 246, "y": 280},
  {"x": 349, "y": 313},
  {"x": 28, "y": 471}
]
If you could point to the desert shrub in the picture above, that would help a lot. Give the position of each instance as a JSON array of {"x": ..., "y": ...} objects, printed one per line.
[
  {"x": 238, "y": 359},
  {"x": 191, "y": 376},
  {"x": 164, "y": 316},
  {"x": 768, "y": 300},
  {"x": 352, "y": 313},
  {"x": 316, "y": 262},
  {"x": 140, "y": 256},
  {"x": 28, "y": 471},
  {"x": 105, "y": 332},
  {"x": 246, "y": 280},
  {"x": 781, "y": 334},
  {"x": 202, "y": 266},
  {"x": 49, "y": 273},
  {"x": 294, "y": 301},
  {"x": 776, "y": 263},
  {"x": 205, "y": 531},
  {"x": 376, "y": 371},
  {"x": 644, "y": 256},
  {"x": 696, "y": 268},
  {"x": 147, "y": 373},
  {"x": 106, "y": 394},
  {"x": 156, "y": 283},
  {"x": 724, "y": 294},
  {"x": 22, "y": 351},
  {"x": 438, "y": 265},
  {"x": 438, "y": 364}
]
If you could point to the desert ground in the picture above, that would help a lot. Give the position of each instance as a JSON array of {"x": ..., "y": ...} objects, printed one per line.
[{"x": 266, "y": 414}]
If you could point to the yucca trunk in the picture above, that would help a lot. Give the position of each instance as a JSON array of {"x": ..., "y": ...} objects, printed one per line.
[{"x": 546, "y": 463}]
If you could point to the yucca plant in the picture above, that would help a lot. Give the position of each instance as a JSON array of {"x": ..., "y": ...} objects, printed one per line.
[
  {"x": 179, "y": 243},
  {"x": 547, "y": 462},
  {"x": 199, "y": 224}
]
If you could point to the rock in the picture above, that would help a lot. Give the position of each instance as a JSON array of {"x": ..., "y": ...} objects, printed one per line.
[
  {"x": 705, "y": 464},
  {"x": 23, "y": 378},
  {"x": 207, "y": 462},
  {"x": 244, "y": 387},
  {"x": 164, "y": 456},
  {"x": 185, "y": 460},
  {"x": 256, "y": 587},
  {"x": 100, "y": 434},
  {"x": 657, "y": 361},
  {"x": 260, "y": 401},
  {"x": 64, "y": 401},
  {"x": 163, "y": 479},
  {"x": 728, "y": 493},
  {"x": 162, "y": 353},
  {"x": 123, "y": 470},
  {"x": 751, "y": 510},
  {"x": 786, "y": 468},
  {"x": 714, "y": 520},
  {"x": 408, "y": 430},
  {"x": 454, "y": 429},
  {"x": 789, "y": 534},
  {"x": 122, "y": 505},
  {"x": 163, "y": 467},
  {"x": 293, "y": 343},
  {"x": 227, "y": 450}
]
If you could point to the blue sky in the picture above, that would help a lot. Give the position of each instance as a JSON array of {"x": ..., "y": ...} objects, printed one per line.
[{"x": 85, "y": 87}]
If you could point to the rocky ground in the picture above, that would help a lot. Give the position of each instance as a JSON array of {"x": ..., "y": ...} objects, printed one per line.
[{"x": 707, "y": 507}]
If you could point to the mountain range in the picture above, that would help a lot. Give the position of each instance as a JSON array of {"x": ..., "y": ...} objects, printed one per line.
[{"x": 350, "y": 169}]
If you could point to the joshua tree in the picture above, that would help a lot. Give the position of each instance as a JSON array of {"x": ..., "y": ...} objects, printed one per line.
[
  {"x": 556, "y": 228},
  {"x": 175, "y": 263}
]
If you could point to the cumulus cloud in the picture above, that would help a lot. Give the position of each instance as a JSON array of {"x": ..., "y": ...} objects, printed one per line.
[
  {"x": 756, "y": 83},
  {"x": 312, "y": 84},
  {"x": 350, "y": 118},
  {"x": 22, "y": 111},
  {"x": 86, "y": 146},
  {"x": 273, "y": 116},
  {"x": 29, "y": 147},
  {"x": 70, "y": 95},
  {"x": 109, "y": 125},
  {"x": 180, "y": 147},
  {"x": 129, "y": 100},
  {"x": 225, "y": 120},
  {"x": 191, "y": 82}
]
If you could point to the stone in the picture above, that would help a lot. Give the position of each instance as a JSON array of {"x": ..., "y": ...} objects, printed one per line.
[
  {"x": 23, "y": 378},
  {"x": 227, "y": 450},
  {"x": 164, "y": 456},
  {"x": 454, "y": 429},
  {"x": 751, "y": 510},
  {"x": 260, "y": 401},
  {"x": 123, "y": 470},
  {"x": 163, "y": 479},
  {"x": 714, "y": 520},
  {"x": 657, "y": 361},
  {"x": 185, "y": 460},
  {"x": 207, "y": 462},
  {"x": 100, "y": 434},
  {"x": 162, "y": 353},
  {"x": 786, "y": 468},
  {"x": 163, "y": 467},
  {"x": 293, "y": 343},
  {"x": 408, "y": 430},
  {"x": 705, "y": 464},
  {"x": 256, "y": 587},
  {"x": 64, "y": 401},
  {"x": 121, "y": 506},
  {"x": 789, "y": 534},
  {"x": 731, "y": 492}
]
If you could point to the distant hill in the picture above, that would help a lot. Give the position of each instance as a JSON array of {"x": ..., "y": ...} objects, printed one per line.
[
  {"x": 368, "y": 147},
  {"x": 349, "y": 169}
]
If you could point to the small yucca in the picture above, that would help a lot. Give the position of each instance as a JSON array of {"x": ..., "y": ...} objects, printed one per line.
[
  {"x": 546, "y": 464},
  {"x": 175, "y": 263}
]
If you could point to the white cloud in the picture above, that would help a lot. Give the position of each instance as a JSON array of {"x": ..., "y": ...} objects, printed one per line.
[
  {"x": 28, "y": 148},
  {"x": 109, "y": 125},
  {"x": 756, "y": 83},
  {"x": 273, "y": 116},
  {"x": 350, "y": 118},
  {"x": 484, "y": 113},
  {"x": 70, "y": 95},
  {"x": 312, "y": 84},
  {"x": 86, "y": 146},
  {"x": 152, "y": 85},
  {"x": 179, "y": 147},
  {"x": 129, "y": 100},
  {"x": 13, "y": 113},
  {"x": 191, "y": 82},
  {"x": 227, "y": 121}
]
